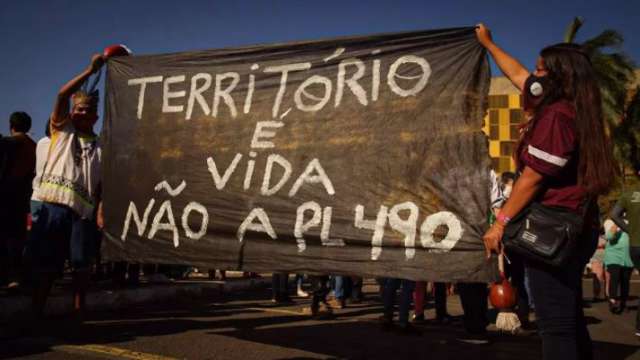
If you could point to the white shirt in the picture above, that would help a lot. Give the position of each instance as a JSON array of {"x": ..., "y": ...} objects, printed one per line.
[
  {"x": 42, "y": 150},
  {"x": 72, "y": 171}
]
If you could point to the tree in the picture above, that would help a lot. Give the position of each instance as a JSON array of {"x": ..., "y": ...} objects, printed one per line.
[
  {"x": 627, "y": 134},
  {"x": 614, "y": 69}
]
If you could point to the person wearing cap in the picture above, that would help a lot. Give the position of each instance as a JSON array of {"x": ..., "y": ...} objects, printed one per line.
[{"x": 69, "y": 190}]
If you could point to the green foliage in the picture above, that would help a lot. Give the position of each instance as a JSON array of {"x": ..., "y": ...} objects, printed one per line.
[
  {"x": 614, "y": 71},
  {"x": 607, "y": 201},
  {"x": 627, "y": 139},
  {"x": 626, "y": 135},
  {"x": 572, "y": 29}
]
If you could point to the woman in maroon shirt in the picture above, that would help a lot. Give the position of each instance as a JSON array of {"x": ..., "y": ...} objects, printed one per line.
[{"x": 564, "y": 160}]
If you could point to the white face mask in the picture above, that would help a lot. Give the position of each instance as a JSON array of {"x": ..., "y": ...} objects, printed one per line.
[{"x": 507, "y": 191}]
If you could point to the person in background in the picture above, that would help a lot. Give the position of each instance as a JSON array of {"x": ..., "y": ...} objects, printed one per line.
[
  {"x": 357, "y": 296},
  {"x": 473, "y": 295},
  {"x": 42, "y": 149},
  {"x": 600, "y": 276},
  {"x": 440, "y": 295},
  {"x": 15, "y": 193},
  {"x": 319, "y": 290},
  {"x": 629, "y": 204},
  {"x": 69, "y": 190},
  {"x": 391, "y": 286},
  {"x": 565, "y": 160},
  {"x": 299, "y": 290},
  {"x": 507, "y": 179},
  {"x": 514, "y": 268},
  {"x": 280, "y": 288},
  {"x": 212, "y": 274},
  {"x": 341, "y": 291},
  {"x": 474, "y": 301},
  {"x": 619, "y": 266}
]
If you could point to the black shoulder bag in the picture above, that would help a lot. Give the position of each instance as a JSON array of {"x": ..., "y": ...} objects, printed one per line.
[{"x": 544, "y": 234}]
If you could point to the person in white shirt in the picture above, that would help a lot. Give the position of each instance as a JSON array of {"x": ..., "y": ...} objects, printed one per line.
[{"x": 68, "y": 187}]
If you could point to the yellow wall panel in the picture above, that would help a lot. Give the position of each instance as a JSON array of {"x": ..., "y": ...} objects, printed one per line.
[
  {"x": 494, "y": 148},
  {"x": 504, "y": 163},
  {"x": 505, "y": 133},
  {"x": 514, "y": 101},
  {"x": 503, "y": 118}
]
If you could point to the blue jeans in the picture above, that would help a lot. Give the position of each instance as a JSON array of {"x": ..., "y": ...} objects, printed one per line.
[
  {"x": 389, "y": 296},
  {"x": 342, "y": 286},
  {"x": 57, "y": 234}
]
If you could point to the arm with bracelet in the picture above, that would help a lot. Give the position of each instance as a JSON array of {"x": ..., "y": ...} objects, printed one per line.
[{"x": 524, "y": 191}]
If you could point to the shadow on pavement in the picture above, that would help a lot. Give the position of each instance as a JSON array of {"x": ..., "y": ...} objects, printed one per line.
[{"x": 348, "y": 335}]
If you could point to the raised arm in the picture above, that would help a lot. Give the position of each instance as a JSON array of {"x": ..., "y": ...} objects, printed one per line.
[
  {"x": 511, "y": 67},
  {"x": 60, "y": 112}
]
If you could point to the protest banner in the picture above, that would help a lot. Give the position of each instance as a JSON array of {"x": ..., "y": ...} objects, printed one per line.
[{"x": 357, "y": 155}]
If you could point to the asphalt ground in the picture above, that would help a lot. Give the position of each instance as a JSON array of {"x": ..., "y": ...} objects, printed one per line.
[{"x": 246, "y": 325}]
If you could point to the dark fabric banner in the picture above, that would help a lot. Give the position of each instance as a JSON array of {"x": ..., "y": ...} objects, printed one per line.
[{"x": 358, "y": 155}]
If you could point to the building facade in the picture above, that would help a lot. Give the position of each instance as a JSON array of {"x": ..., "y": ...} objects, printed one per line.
[
  {"x": 501, "y": 123},
  {"x": 503, "y": 117}
]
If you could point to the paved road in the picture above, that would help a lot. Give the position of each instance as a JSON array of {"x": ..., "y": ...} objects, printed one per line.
[{"x": 247, "y": 326}]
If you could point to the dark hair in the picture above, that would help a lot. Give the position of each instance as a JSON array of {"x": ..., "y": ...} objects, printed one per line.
[
  {"x": 506, "y": 176},
  {"x": 573, "y": 78},
  {"x": 20, "y": 121}
]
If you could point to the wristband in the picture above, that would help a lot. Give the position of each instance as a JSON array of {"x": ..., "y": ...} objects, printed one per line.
[{"x": 503, "y": 218}]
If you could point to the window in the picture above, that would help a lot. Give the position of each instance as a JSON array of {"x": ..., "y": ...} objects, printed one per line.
[
  {"x": 495, "y": 164},
  {"x": 498, "y": 101},
  {"x": 514, "y": 132},
  {"x": 494, "y": 117},
  {"x": 494, "y": 132},
  {"x": 506, "y": 148},
  {"x": 515, "y": 116},
  {"x": 494, "y": 122}
]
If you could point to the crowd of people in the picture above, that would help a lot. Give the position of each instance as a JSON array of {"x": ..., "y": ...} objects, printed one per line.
[
  {"x": 563, "y": 160},
  {"x": 57, "y": 183}
]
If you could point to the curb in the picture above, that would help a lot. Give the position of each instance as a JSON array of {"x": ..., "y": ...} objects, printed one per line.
[{"x": 101, "y": 300}]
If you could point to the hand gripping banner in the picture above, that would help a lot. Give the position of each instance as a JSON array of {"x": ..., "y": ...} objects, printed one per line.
[{"x": 358, "y": 156}]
